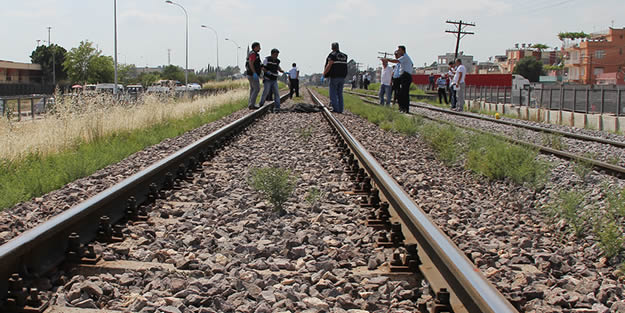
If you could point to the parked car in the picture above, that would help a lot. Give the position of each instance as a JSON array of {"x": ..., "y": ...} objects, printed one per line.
[
  {"x": 134, "y": 89},
  {"x": 108, "y": 87}
]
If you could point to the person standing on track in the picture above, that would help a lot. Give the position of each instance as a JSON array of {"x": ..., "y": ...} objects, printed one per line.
[
  {"x": 385, "y": 83},
  {"x": 405, "y": 78},
  {"x": 442, "y": 89},
  {"x": 271, "y": 67},
  {"x": 450, "y": 77},
  {"x": 336, "y": 70},
  {"x": 294, "y": 81},
  {"x": 459, "y": 85},
  {"x": 253, "y": 67}
]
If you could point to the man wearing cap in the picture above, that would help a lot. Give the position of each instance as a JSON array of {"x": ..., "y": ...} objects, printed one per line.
[
  {"x": 253, "y": 67},
  {"x": 336, "y": 70},
  {"x": 271, "y": 67}
]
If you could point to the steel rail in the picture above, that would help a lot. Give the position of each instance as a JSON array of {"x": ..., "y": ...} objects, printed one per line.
[
  {"x": 44, "y": 247},
  {"x": 475, "y": 292},
  {"x": 511, "y": 123},
  {"x": 615, "y": 170}
]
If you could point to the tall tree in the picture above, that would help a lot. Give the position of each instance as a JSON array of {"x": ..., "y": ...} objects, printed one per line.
[
  {"x": 540, "y": 47},
  {"x": 87, "y": 64},
  {"x": 42, "y": 55},
  {"x": 529, "y": 68},
  {"x": 173, "y": 72}
]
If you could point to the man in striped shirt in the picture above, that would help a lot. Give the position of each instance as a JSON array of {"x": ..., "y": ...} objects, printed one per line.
[{"x": 271, "y": 67}]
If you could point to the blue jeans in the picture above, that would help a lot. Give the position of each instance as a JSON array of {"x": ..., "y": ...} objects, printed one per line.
[
  {"x": 254, "y": 90},
  {"x": 452, "y": 97},
  {"x": 336, "y": 93},
  {"x": 270, "y": 86},
  {"x": 385, "y": 90}
]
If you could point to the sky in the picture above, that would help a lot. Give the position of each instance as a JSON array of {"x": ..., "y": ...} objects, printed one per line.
[{"x": 301, "y": 30}]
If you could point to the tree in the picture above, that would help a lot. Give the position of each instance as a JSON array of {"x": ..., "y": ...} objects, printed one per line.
[
  {"x": 86, "y": 64},
  {"x": 42, "y": 55},
  {"x": 540, "y": 47},
  {"x": 147, "y": 79},
  {"x": 126, "y": 74},
  {"x": 529, "y": 68},
  {"x": 173, "y": 72}
]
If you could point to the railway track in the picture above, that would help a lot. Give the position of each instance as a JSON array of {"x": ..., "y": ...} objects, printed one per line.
[
  {"x": 580, "y": 141},
  {"x": 149, "y": 205}
]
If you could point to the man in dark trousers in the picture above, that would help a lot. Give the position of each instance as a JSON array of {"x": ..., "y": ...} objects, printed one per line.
[
  {"x": 271, "y": 67},
  {"x": 253, "y": 67},
  {"x": 336, "y": 70},
  {"x": 431, "y": 80},
  {"x": 442, "y": 89},
  {"x": 294, "y": 81},
  {"x": 406, "y": 69}
]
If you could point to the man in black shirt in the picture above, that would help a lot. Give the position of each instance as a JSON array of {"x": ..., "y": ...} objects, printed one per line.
[
  {"x": 271, "y": 67},
  {"x": 336, "y": 70}
]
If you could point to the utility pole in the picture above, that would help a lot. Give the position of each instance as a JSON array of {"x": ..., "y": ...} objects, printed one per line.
[
  {"x": 53, "y": 58},
  {"x": 460, "y": 32},
  {"x": 168, "y": 56}
]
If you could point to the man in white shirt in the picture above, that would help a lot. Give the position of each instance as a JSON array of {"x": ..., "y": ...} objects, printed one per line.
[
  {"x": 459, "y": 85},
  {"x": 385, "y": 83},
  {"x": 406, "y": 69},
  {"x": 293, "y": 81}
]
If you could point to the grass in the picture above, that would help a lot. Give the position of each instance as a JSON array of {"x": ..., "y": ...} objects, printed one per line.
[
  {"x": 554, "y": 141},
  {"x": 485, "y": 154},
  {"x": 569, "y": 205},
  {"x": 226, "y": 84},
  {"x": 43, "y": 156},
  {"x": 275, "y": 184},
  {"x": 582, "y": 167},
  {"x": 497, "y": 159}
]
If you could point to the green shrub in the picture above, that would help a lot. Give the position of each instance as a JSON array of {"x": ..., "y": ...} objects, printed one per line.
[
  {"x": 610, "y": 236},
  {"x": 582, "y": 168},
  {"x": 615, "y": 200},
  {"x": 569, "y": 205},
  {"x": 444, "y": 139},
  {"x": 313, "y": 196},
  {"x": 275, "y": 184},
  {"x": 497, "y": 159},
  {"x": 554, "y": 141}
]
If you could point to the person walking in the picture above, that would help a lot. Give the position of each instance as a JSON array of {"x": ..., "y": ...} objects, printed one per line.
[
  {"x": 406, "y": 69},
  {"x": 459, "y": 84},
  {"x": 253, "y": 68},
  {"x": 293, "y": 81},
  {"x": 385, "y": 83},
  {"x": 450, "y": 79},
  {"x": 442, "y": 89},
  {"x": 336, "y": 70},
  {"x": 271, "y": 67},
  {"x": 367, "y": 81}
]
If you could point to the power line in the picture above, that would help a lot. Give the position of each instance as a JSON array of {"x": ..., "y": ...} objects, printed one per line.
[{"x": 460, "y": 32}]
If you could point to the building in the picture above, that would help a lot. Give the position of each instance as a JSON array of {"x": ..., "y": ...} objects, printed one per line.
[
  {"x": 443, "y": 62},
  {"x": 601, "y": 53},
  {"x": 20, "y": 73},
  {"x": 513, "y": 56},
  {"x": 616, "y": 78}
]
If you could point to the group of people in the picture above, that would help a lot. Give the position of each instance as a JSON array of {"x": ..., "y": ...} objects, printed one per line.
[
  {"x": 453, "y": 82},
  {"x": 397, "y": 80}
]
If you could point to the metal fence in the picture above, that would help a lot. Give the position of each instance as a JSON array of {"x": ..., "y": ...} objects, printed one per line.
[
  {"x": 15, "y": 107},
  {"x": 574, "y": 99}
]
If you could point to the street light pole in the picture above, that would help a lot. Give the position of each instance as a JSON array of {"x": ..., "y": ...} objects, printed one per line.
[
  {"x": 237, "y": 47},
  {"x": 186, "y": 66},
  {"x": 53, "y": 58},
  {"x": 217, "y": 45},
  {"x": 115, "y": 27}
]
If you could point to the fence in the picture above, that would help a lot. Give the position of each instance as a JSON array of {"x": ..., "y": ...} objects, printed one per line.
[
  {"x": 16, "y": 106},
  {"x": 581, "y": 100}
]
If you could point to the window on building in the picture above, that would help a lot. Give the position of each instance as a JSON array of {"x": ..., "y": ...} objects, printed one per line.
[{"x": 600, "y": 54}]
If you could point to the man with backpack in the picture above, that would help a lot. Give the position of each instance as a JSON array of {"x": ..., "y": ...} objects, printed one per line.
[{"x": 253, "y": 68}]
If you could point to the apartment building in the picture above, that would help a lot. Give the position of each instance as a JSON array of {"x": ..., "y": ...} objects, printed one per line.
[{"x": 590, "y": 59}]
